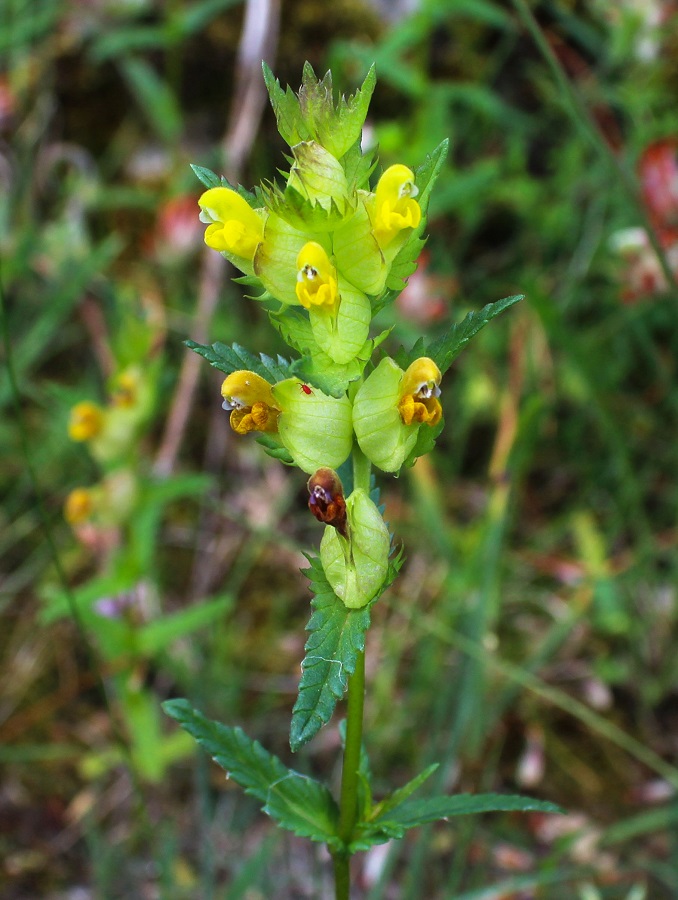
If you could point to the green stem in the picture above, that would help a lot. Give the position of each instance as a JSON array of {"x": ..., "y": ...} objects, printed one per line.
[{"x": 348, "y": 801}]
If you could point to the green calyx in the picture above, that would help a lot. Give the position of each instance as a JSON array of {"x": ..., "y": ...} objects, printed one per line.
[
  {"x": 383, "y": 437},
  {"x": 315, "y": 428},
  {"x": 356, "y": 568}
]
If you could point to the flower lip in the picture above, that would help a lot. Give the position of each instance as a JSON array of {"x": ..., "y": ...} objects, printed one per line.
[
  {"x": 419, "y": 392},
  {"x": 233, "y": 226},
  {"x": 249, "y": 399},
  {"x": 316, "y": 278},
  {"x": 394, "y": 205}
]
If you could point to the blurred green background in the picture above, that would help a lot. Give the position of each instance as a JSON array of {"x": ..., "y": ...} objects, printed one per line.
[{"x": 530, "y": 643}]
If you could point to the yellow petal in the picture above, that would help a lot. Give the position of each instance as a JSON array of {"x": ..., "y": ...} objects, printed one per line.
[
  {"x": 235, "y": 227},
  {"x": 86, "y": 421},
  {"x": 316, "y": 277}
]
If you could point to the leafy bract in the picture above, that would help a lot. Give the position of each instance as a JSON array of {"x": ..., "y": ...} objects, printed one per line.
[
  {"x": 336, "y": 636},
  {"x": 234, "y": 358},
  {"x": 211, "y": 180},
  {"x": 313, "y": 114},
  {"x": 275, "y": 449},
  {"x": 297, "y": 802},
  {"x": 445, "y": 349},
  {"x": 425, "y": 177},
  {"x": 393, "y": 822}
]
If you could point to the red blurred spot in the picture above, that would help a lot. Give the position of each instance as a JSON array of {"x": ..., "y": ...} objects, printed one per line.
[{"x": 658, "y": 174}]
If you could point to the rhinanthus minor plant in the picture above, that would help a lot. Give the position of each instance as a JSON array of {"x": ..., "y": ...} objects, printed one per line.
[{"x": 327, "y": 253}]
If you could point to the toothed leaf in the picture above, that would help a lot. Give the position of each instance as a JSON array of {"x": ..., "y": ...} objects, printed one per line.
[
  {"x": 445, "y": 349},
  {"x": 298, "y": 803},
  {"x": 234, "y": 358},
  {"x": 394, "y": 822},
  {"x": 336, "y": 636}
]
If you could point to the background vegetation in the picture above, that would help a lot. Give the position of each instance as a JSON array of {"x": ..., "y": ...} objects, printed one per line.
[{"x": 530, "y": 644}]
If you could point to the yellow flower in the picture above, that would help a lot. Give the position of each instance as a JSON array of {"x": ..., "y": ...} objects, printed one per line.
[
  {"x": 419, "y": 392},
  {"x": 86, "y": 421},
  {"x": 233, "y": 226},
  {"x": 316, "y": 278},
  {"x": 394, "y": 205},
  {"x": 249, "y": 399},
  {"x": 125, "y": 389},
  {"x": 79, "y": 506}
]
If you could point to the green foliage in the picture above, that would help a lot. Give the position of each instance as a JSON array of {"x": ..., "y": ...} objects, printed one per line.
[
  {"x": 395, "y": 819},
  {"x": 233, "y": 359},
  {"x": 336, "y": 636},
  {"x": 312, "y": 115},
  {"x": 297, "y": 802},
  {"x": 445, "y": 349}
]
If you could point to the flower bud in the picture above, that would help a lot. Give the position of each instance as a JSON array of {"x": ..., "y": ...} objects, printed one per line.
[
  {"x": 326, "y": 500},
  {"x": 356, "y": 566},
  {"x": 249, "y": 399},
  {"x": 317, "y": 176}
]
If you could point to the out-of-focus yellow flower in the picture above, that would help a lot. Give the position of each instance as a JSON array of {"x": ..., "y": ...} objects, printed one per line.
[
  {"x": 233, "y": 226},
  {"x": 419, "y": 392},
  {"x": 394, "y": 205},
  {"x": 316, "y": 278},
  {"x": 250, "y": 401},
  {"x": 125, "y": 389},
  {"x": 79, "y": 506},
  {"x": 86, "y": 421}
]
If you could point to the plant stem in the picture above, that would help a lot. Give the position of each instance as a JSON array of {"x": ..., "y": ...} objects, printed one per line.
[{"x": 348, "y": 803}]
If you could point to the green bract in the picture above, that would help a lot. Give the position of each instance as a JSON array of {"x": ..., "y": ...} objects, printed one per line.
[
  {"x": 313, "y": 115},
  {"x": 315, "y": 428},
  {"x": 379, "y": 430},
  {"x": 356, "y": 568},
  {"x": 318, "y": 177}
]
